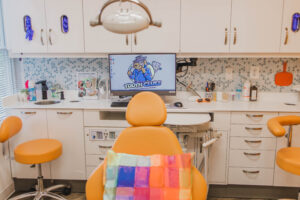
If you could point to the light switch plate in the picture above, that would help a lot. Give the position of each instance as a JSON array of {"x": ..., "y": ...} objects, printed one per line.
[
  {"x": 229, "y": 73},
  {"x": 254, "y": 72}
]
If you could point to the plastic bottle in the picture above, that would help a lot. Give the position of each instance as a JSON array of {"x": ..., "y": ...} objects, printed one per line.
[
  {"x": 246, "y": 91},
  {"x": 238, "y": 94},
  {"x": 31, "y": 91}
]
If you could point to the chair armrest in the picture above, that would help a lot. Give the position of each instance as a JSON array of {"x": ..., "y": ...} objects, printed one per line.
[
  {"x": 94, "y": 187},
  {"x": 276, "y": 124},
  {"x": 199, "y": 187}
]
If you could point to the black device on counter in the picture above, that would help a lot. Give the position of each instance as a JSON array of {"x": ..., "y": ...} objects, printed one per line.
[
  {"x": 62, "y": 95},
  {"x": 44, "y": 88},
  {"x": 178, "y": 104}
]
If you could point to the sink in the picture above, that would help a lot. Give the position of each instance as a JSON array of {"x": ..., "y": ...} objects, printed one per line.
[{"x": 46, "y": 102}]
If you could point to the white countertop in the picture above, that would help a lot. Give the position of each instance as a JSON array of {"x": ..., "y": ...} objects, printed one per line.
[{"x": 188, "y": 106}]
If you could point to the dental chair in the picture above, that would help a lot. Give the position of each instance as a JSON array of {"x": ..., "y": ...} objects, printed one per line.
[
  {"x": 146, "y": 113},
  {"x": 288, "y": 159},
  {"x": 34, "y": 152}
]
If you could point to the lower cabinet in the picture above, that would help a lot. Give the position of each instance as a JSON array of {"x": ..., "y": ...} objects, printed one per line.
[
  {"x": 34, "y": 127},
  {"x": 6, "y": 182},
  {"x": 67, "y": 127}
]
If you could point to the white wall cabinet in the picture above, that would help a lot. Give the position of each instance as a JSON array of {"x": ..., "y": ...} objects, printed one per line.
[
  {"x": 281, "y": 177},
  {"x": 290, "y": 41},
  {"x": 97, "y": 39},
  {"x": 34, "y": 127},
  {"x": 67, "y": 127},
  {"x": 205, "y": 25},
  {"x": 46, "y": 23},
  {"x": 256, "y": 26},
  {"x": 165, "y": 38}
]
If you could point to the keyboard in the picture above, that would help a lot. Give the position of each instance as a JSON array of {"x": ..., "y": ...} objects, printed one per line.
[{"x": 119, "y": 104}]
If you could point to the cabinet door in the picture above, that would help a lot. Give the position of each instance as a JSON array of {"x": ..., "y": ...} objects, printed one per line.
[
  {"x": 97, "y": 39},
  {"x": 256, "y": 25},
  {"x": 204, "y": 24},
  {"x": 6, "y": 181},
  {"x": 290, "y": 41},
  {"x": 281, "y": 177},
  {"x": 60, "y": 41},
  {"x": 67, "y": 127},
  {"x": 163, "y": 39},
  {"x": 34, "y": 127},
  {"x": 35, "y": 10},
  {"x": 218, "y": 160}
]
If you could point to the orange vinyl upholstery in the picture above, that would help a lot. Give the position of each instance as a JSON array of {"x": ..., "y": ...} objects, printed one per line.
[
  {"x": 276, "y": 124},
  {"x": 10, "y": 127},
  {"x": 288, "y": 158},
  {"x": 38, "y": 151},
  {"x": 146, "y": 137}
]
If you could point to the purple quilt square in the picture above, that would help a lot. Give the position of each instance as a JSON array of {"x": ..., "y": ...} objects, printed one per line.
[
  {"x": 142, "y": 177},
  {"x": 126, "y": 176}
]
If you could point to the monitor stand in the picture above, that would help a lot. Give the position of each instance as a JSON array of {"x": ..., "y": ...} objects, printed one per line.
[{"x": 122, "y": 102}]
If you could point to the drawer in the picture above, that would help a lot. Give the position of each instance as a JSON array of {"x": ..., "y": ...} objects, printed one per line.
[
  {"x": 90, "y": 170},
  {"x": 94, "y": 160},
  {"x": 253, "y": 143},
  {"x": 250, "y": 131},
  {"x": 98, "y": 147},
  {"x": 250, "y": 176},
  {"x": 250, "y": 158},
  {"x": 105, "y": 118},
  {"x": 251, "y": 117}
]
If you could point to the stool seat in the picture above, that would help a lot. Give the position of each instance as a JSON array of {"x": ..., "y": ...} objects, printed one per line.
[
  {"x": 38, "y": 151},
  {"x": 288, "y": 159}
]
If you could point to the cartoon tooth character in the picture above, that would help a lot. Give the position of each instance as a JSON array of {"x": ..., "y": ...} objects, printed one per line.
[{"x": 142, "y": 72}]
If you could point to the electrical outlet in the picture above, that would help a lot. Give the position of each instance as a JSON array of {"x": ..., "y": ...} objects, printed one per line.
[
  {"x": 254, "y": 72},
  {"x": 229, "y": 73}
]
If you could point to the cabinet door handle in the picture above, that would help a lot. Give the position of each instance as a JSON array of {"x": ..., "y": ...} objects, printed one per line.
[
  {"x": 286, "y": 36},
  {"x": 64, "y": 113},
  {"x": 253, "y": 141},
  {"x": 135, "y": 39},
  {"x": 256, "y": 116},
  {"x": 252, "y": 154},
  {"x": 235, "y": 36},
  {"x": 28, "y": 113},
  {"x": 42, "y": 38},
  {"x": 127, "y": 42},
  {"x": 105, "y": 147},
  {"x": 253, "y": 129},
  {"x": 251, "y": 172},
  {"x": 101, "y": 158},
  {"x": 226, "y": 36},
  {"x": 50, "y": 39}
]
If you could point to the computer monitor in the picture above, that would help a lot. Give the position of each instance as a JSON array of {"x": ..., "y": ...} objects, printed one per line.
[{"x": 133, "y": 73}]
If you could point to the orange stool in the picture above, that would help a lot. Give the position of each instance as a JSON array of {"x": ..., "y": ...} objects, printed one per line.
[
  {"x": 146, "y": 113},
  {"x": 33, "y": 152},
  {"x": 288, "y": 158}
]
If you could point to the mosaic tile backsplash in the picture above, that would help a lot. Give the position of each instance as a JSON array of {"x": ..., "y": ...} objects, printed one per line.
[{"x": 64, "y": 71}]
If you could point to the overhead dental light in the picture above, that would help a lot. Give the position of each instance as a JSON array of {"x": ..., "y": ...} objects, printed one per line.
[{"x": 125, "y": 21}]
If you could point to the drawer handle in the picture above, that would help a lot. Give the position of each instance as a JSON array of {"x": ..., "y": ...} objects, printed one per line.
[
  {"x": 101, "y": 158},
  {"x": 251, "y": 172},
  {"x": 28, "y": 113},
  {"x": 253, "y": 129},
  {"x": 64, "y": 113},
  {"x": 105, "y": 147},
  {"x": 252, "y": 154},
  {"x": 256, "y": 116},
  {"x": 255, "y": 142}
]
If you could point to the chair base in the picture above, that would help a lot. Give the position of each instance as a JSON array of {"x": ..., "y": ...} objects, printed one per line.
[{"x": 41, "y": 192}]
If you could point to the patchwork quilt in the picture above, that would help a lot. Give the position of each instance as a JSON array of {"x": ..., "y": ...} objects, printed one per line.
[{"x": 155, "y": 177}]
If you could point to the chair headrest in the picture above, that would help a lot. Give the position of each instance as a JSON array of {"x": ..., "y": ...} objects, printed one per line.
[
  {"x": 146, "y": 109},
  {"x": 10, "y": 127}
]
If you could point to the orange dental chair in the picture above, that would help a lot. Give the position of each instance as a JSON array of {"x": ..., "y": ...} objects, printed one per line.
[
  {"x": 146, "y": 113},
  {"x": 34, "y": 152},
  {"x": 288, "y": 159}
]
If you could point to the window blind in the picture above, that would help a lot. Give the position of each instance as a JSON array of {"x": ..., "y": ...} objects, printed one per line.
[{"x": 2, "y": 40}]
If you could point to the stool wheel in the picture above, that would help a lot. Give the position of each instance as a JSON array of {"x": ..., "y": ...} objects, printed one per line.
[{"x": 67, "y": 190}]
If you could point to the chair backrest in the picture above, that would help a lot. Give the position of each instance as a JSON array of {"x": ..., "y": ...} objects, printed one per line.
[
  {"x": 146, "y": 112},
  {"x": 276, "y": 124},
  {"x": 10, "y": 127}
]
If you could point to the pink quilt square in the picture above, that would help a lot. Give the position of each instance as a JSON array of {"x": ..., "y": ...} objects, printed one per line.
[
  {"x": 125, "y": 193},
  {"x": 142, "y": 176},
  {"x": 156, "y": 194},
  {"x": 141, "y": 194},
  {"x": 172, "y": 177}
]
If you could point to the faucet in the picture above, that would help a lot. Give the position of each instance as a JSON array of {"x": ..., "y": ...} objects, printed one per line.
[{"x": 44, "y": 88}]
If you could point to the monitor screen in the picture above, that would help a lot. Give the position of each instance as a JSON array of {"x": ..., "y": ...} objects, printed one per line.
[{"x": 132, "y": 73}]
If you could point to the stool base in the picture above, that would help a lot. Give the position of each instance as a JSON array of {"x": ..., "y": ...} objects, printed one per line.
[{"x": 41, "y": 192}]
